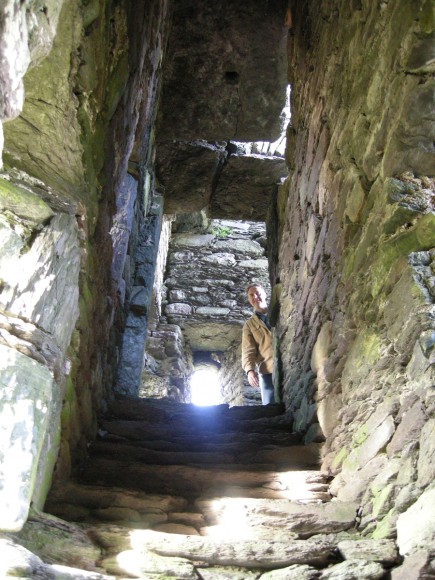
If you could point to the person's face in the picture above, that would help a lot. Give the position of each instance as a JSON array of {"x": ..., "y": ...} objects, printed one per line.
[{"x": 257, "y": 298}]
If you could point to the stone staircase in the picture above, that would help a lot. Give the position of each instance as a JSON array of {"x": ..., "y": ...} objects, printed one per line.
[{"x": 183, "y": 492}]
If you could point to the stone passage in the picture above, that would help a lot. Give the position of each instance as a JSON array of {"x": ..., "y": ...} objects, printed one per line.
[{"x": 176, "y": 491}]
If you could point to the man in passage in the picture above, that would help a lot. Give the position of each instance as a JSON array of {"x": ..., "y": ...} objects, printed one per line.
[{"x": 257, "y": 349}]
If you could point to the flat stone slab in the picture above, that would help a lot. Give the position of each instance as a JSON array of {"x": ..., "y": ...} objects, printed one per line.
[
  {"x": 187, "y": 172},
  {"x": 294, "y": 572},
  {"x": 250, "y": 554},
  {"x": 246, "y": 186},
  {"x": 215, "y": 69},
  {"x": 305, "y": 520},
  {"x": 213, "y": 336},
  {"x": 227, "y": 573},
  {"x": 416, "y": 526},
  {"x": 383, "y": 551},
  {"x": 353, "y": 570}
]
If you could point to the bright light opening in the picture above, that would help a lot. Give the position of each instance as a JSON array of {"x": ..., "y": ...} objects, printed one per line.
[
  {"x": 204, "y": 388},
  {"x": 268, "y": 148}
]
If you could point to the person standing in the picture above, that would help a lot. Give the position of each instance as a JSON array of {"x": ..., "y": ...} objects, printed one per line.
[{"x": 257, "y": 349}]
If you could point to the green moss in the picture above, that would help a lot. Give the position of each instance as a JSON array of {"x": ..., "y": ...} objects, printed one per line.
[
  {"x": 351, "y": 463},
  {"x": 221, "y": 231},
  {"x": 420, "y": 237},
  {"x": 66, "y": 414},
  {"x": 69, "y": 390},
  {"x": 45, "y": 482},
  {"x": 367, "y": 351},
  {"x": 339, "y": 458},
  {"x": 360, "y": 435},
  {"x": 54, "y": 540},
  {"x": 427, "y": 17},
  {"x": 86, "y": 293},
  {"x": 83, "y": 322},
  {"x": 116, "y": 85},
  {"x": 386, "y": 527},
  {"x": 23, "y": 203},
  {"x": 381, "y": 499}
]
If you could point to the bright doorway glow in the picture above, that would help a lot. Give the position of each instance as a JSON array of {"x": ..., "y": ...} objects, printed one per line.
[{"x": 204, "y": 388}]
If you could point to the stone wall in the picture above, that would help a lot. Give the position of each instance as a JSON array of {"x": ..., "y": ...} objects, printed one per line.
[
  {"x": 77, "y": 205},
  {"x": 355, "y": 242}
]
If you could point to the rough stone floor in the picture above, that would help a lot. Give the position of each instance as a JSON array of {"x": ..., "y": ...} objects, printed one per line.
[{"x": 173, "y": 491}]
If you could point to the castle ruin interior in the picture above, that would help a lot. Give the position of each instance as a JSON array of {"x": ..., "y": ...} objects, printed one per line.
[{"x": 156, "y": 157}]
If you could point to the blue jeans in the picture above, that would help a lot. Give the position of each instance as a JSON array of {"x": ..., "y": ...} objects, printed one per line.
[{"x": 267, "y": 390}]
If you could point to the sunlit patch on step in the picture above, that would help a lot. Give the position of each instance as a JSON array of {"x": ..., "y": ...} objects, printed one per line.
[
  {"x": 232, "y": 518},
  {"x": 302, "y": 486}
]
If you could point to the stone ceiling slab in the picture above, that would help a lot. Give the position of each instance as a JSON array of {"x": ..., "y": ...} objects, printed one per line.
[
  {"x": 212, "y": 336},
  {"x": 245, "y": 187},
  {"x": 225, "y": 74},
  {"x": 201, "y": 175},
  {"x": 187, "y": 171}
]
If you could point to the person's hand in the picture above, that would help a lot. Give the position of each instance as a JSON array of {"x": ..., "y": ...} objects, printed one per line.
[{"x": 253, "y": 379}]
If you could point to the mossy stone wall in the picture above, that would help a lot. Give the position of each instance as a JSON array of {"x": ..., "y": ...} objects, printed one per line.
[{"x": 356, "y": 245}]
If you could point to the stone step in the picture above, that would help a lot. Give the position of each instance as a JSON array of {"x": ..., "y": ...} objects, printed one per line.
[
  {"x": 107, "y": 551},
  {"x": 148, "y": 544},
  {"x": 293, "y": 457},
  {"x": 194, "y": 433},
  {"x": 167, "y": 410},
  {"x": 196, "y": 481},
  {"x": 217, "y": 516}
]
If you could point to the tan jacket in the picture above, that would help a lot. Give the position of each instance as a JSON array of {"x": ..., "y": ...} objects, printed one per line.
[{"x": 257, "y": 349}]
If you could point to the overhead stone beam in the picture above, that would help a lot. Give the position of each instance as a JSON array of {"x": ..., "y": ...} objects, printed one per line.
[
  {"x": 245, "y": 187},
  {"x": 212, "y": 335},
  {"x": 212, "y": 86},
  {"x": 187, "y": 172},
  {"x": 201, "y": 175}
]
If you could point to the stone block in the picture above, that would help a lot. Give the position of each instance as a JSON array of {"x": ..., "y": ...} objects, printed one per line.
[
  {"x": 352, "y": 569},
  {"x": 260, "y": 264},
  {"x": 183, "y": 257},
  {"x": 416, "y": 566},
  {"x": 25, "y": 409},
  {"x": 426, "y": 458},
  {"x": 327, "y": 413},
  {"x": 177, "y": 295},
  {"x": 416, "y": 526},
  {"x": 355, "y": 481},
  {"x": 17, "y": 560},
  {"x": 227, "y": 97},
  {"x": 375, "y": 442},
  {"x": 220, "y": 259},
  {"x": 406, "y": 497},
  {"x": 178, "y": 308},
  {"x": 218, "y": 336},
  {"x": 248, "y": 247},
  {"x": 193, "y": 240},
  {"x": 43, "y": 284},
  {"x": 212, "y": 311},
  {"x": 139, "y": 299},
  {"x": 122, "y": 224},
  {"x": 383, "y": 551},
  {"x": 187, "y": 172},
  {"x": 408, "y": 430},
  {"x": 321, "y": 349},
  {"x": 295, "y": 572},
  {"x": 23, "y": 203},
  {"x": 246, "y": 186}
]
